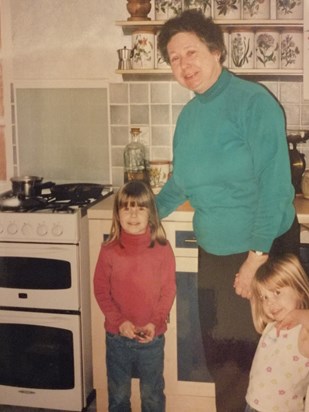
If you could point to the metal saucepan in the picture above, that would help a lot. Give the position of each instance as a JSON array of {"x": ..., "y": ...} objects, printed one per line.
[
  {"x": 77, "y": 191},
  {"x": 29, "y": 186}
]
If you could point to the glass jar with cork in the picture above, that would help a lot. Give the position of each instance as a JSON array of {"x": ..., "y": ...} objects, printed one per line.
[{"x": 135, "y": 162}]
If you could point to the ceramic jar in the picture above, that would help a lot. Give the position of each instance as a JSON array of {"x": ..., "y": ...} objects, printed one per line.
[
  {"x": 160, "y": 63},
  {"x": 291, "y": 49},
  {"x": 225, "y": 9},
  {"x": 256, "y": 9},
  {"x": 201, "y": 5},
  {"x": 242, "y": 49},
  {"x": 290, "y": 9},
  {"x": 143, "y": 49},
  {"x": 159, "y": 172},
  {"x": 166, "y": 9},
  {"x": 267, "y": 49}
]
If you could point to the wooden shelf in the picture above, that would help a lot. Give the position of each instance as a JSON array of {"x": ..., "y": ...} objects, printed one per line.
[
  {"x": 128, "y": 26},
  {"x": 251, "y": 72}
]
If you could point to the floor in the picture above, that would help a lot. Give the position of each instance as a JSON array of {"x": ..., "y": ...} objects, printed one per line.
[{"x": 7, "y": 408}]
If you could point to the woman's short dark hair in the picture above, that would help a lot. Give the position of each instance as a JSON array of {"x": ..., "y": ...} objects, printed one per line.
[{"x": 193, "y": 21}]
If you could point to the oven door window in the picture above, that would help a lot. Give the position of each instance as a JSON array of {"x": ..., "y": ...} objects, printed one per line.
[
  {"x": 34, "y": 273},
  {"x": 33, "y": 356},
  {"x": 39, "y": 350}
]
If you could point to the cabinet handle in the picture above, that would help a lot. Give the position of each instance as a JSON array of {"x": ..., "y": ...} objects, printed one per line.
[{"x": 185, "y": 239}]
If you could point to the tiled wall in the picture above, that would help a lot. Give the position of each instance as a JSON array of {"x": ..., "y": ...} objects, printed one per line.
[{"x": 154, "y": 107}]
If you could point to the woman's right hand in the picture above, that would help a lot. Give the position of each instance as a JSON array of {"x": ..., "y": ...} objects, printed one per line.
[{"x": 243, "y": 278}]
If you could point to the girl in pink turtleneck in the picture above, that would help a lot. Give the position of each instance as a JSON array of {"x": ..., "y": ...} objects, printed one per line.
[{"x": 134, "y": 285}]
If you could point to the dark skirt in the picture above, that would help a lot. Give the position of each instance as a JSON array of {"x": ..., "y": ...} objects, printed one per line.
[{"x": 228, "y": 334}]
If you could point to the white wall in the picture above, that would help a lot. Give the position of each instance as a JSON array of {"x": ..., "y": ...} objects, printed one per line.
[{"x": 67, "y": 39}]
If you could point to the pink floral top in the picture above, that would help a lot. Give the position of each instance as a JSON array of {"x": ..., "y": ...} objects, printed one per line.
[{"x": 279, "y": 374}]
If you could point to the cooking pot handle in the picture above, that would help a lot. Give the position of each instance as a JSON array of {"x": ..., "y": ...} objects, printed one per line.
[{"x": 46, "y": 185}]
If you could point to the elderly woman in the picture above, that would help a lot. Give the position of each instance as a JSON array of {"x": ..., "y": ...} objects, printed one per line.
[{"x": 231, "y": 162}]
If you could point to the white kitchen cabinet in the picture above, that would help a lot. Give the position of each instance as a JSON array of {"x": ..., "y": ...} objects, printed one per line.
[{"x": 188, "y": 384}]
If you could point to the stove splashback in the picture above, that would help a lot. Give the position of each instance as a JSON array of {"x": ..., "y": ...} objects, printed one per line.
[{"x": 62, "y": 133}]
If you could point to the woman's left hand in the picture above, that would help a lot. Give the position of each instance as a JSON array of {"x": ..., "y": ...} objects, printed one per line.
[{"x": 243, "y": 278}]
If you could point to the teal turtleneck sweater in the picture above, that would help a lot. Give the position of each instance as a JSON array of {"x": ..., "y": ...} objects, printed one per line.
[{"x": 231, "y": 162}]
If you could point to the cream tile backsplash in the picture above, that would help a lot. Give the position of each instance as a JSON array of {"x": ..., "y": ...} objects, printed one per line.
[{"x": 155, "y": 106}]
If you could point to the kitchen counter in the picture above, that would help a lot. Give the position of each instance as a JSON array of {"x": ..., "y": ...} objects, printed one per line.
[
  {"x": 302, "y": 209},
  {"x": 103, "y": 210}
]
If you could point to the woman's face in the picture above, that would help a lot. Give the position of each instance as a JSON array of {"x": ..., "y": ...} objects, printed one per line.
[
  {"x": 193, "y": 65},
  {"x": 279, "y": 302}
]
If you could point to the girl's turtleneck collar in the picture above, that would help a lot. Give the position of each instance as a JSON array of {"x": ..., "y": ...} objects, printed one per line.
[
  {"x": 216, "y": 88},
  {"x": 141, "y": 240}
]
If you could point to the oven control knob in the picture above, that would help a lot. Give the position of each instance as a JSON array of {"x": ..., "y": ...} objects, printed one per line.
[
  {"x": 57, "y": 230},
  {"x": 26, "y": 229},
  {"x": 12, "y": 229},
  {"x": 42, "y": 229}
]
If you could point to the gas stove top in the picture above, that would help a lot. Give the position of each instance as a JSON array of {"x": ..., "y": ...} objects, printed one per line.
[
  {"x": 46, "y": 202},
  {"x": 44, "y": 219}
]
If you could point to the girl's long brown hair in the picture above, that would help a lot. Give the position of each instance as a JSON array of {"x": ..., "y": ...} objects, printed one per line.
[
  {"x": 275, "y": 274},
  {"x": 138, "y": 193}
]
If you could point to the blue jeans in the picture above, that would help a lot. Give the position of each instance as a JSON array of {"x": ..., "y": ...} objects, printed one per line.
[{"x": 124, "y": 358}]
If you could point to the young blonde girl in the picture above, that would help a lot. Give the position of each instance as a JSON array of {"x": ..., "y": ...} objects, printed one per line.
[
  {"x": 279, "y": 375},
  {"x": 134, "y": 284}
]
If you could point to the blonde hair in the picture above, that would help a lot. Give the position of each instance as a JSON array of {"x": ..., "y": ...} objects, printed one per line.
[
  {"x": 275, "y": 274},
  {"x": 138, "y": 193}
]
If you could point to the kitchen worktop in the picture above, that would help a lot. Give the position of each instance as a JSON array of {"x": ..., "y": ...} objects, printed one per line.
[{"x": 103, "y": 210}]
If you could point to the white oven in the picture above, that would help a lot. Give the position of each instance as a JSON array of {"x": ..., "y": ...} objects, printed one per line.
[{"x": 45, "y": 333}]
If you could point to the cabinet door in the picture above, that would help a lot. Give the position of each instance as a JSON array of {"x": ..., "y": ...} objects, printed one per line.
[{"x": 189, "y": 385}]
